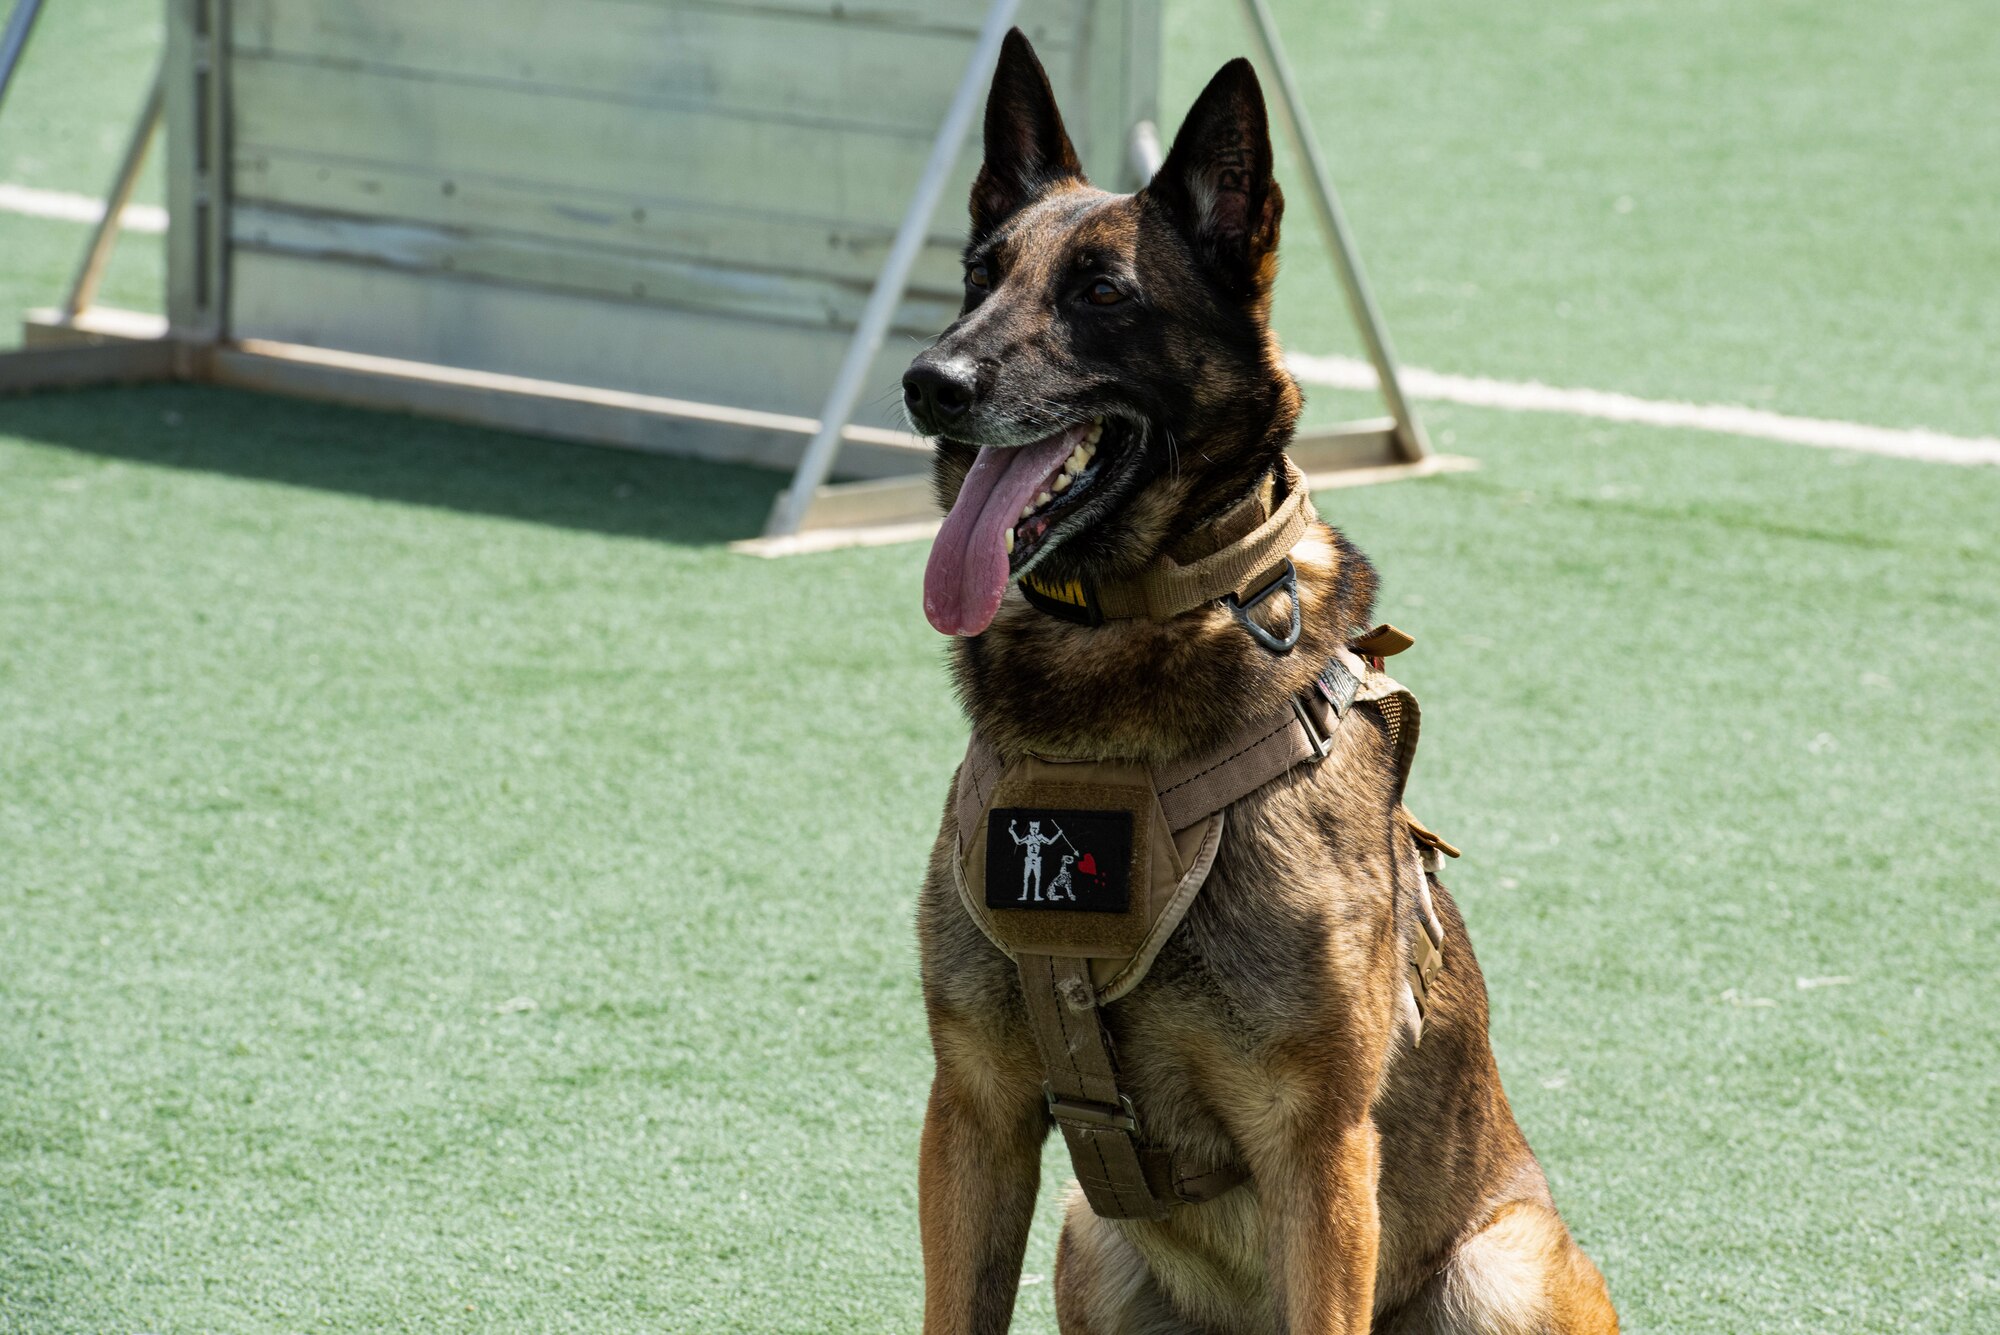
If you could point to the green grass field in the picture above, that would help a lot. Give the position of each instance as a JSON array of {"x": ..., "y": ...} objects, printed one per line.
[{"x": 442, "y": 888}]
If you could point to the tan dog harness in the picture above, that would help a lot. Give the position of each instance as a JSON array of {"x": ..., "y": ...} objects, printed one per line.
[{"x": 1079, "y": 870}]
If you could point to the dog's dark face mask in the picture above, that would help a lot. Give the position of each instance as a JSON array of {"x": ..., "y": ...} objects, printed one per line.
[{"x": 1111, "y": 380}]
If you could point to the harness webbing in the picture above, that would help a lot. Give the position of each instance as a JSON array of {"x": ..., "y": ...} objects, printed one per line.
[{"x": 1122, "y": 1175}]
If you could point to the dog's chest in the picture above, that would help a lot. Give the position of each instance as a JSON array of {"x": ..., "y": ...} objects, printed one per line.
[
  {"x": 1253, "y": 956},
  {"x": 1241, "y": 891}
]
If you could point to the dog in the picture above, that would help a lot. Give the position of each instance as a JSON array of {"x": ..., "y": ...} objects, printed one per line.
[{"x": 1118, "y": 348}]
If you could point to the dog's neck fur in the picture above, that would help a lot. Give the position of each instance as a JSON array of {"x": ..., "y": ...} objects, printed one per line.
[{"x": 1157, "y": 691}]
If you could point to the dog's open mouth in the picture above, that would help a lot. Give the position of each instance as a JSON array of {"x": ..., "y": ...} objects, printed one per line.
[{"x": 1012, "y": 508}]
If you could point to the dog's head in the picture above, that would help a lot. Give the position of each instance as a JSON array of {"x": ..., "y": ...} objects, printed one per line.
[{"x": 1111, "y": 379}]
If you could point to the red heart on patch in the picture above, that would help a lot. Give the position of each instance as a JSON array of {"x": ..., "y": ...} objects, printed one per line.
[{"x": 1088, "y": 865}]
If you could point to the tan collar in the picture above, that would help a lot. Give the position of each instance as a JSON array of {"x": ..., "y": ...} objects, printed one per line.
[{"x": 1240, "y": 552}]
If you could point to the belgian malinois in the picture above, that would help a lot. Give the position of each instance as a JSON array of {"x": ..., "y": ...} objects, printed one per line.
[{"x": 1110, "y": 386}]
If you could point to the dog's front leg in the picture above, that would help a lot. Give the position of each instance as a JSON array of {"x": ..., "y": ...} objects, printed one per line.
[
  {"x": 1323, "y": 1228},
  {"x": 980, "y": 1166}
]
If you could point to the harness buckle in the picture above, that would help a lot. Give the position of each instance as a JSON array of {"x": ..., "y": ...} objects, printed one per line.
[
  {"x": 1321, "y": 742},
  {"x": 1121, "y": 1116},
  {"x": 1289, "y": 582}
]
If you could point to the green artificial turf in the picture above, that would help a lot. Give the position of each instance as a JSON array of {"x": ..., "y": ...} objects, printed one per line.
[
  {"x": 441, "y": 888},
  {"x": 41, "y": 258},
  {"x": 445, "y": 890},
  {"x": 76, "y": 94},
  {"x": 1792, "y": 204}
]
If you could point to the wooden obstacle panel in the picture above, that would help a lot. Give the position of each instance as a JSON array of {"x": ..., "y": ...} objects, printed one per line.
[{"x": 671, "y": 197}]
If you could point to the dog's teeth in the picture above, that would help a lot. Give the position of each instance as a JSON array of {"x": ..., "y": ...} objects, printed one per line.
[
  {"x": 1043, "y": 499},
  {"x": 1062, "y": 482},
  {"x": 1096, "y": 431},
  {"x": 1010, "y": 542},
  {"x": 1074, "y": 464}
]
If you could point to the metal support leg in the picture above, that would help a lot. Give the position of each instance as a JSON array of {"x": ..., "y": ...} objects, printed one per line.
[
  {"x": 1143, "y": 146},
  {"x": 1410, "y": 440},
  {"x": 817, "y": 461},
  {"x": 14, "y": 40},
  {"x": 84, "y": 291}
]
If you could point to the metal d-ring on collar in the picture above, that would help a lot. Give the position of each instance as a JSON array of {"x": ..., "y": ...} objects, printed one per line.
[{"x": 1289, "y": 582}]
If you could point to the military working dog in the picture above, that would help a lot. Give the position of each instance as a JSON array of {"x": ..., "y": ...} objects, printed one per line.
[{"x": 1110, "y": 389}]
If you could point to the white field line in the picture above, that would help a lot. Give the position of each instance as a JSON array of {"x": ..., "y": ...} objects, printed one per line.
[
  {"x": 1531, "y": 396},
  {"x": 1353, "y": 373},
  {"x": 65, "y": 207}
]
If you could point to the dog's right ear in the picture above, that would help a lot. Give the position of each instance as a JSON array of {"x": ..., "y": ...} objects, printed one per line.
[
  {"x": 1216, "y": 181},
  {"x": 1027, "y": 149}
]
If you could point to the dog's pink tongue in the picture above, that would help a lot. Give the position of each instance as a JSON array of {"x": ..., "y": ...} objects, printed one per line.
[{"x": 967, "y": 574}]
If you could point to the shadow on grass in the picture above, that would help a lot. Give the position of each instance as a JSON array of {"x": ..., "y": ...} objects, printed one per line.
[{"x": 413, "y": 460}]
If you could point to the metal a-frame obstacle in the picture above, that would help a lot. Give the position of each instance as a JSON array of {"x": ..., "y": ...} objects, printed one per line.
[
  {"x": 812, "y": 514},
  {"x": 77, "y": 344}
]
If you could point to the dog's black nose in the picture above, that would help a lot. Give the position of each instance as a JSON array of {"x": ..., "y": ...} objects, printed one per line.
[{"x": 937, "y": 392}]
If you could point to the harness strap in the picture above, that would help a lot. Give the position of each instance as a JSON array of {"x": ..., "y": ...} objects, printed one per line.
[
  {"x": 978, "y": 774},
  {"x": 1121, "y": 1176},
  {"x": 1192, "y": 790},
  {"x": 1427, "y": 942},
  {"x": 1267, "y": 748}
]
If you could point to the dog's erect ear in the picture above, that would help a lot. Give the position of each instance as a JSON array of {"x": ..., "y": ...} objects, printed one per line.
[
  {"x": 1027, "y": 150},
  {"x": 1216, "y": 181}
]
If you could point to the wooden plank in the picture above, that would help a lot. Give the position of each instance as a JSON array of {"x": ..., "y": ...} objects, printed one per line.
[
  {"x": 570, "y": 267},
  {"x": 643, "y": 422},
  {"x": 1038, "y": 18},
  {"x": 51, "y": 327},
  {"x": 820, "y": 68},
  {"x": 809, "y": 540},
  {"x": 573, "y": 145},
  {"x": 1369, "y": 475},
  {"x": 32, "y": 370},
  {"x": 632, "y": 219},
  {"x": 963, "y": 15},
  {"x": 889, "y": 500},
  {"x": 577, "y": 144},
  {"x": 553, "y": 336},
  {"x": 1349, "y": 445}
]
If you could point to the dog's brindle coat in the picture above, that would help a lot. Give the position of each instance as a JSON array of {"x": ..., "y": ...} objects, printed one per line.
[{"x": 1391, "y": 1189}]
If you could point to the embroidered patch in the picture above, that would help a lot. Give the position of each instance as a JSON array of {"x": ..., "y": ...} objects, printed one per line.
[{"x": 1065, "y": 861}]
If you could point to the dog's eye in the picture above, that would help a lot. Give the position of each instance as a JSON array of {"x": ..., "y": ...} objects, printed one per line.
[
  {"x": 979, "y": 276},
  {"x": 1102, "y": 293}
]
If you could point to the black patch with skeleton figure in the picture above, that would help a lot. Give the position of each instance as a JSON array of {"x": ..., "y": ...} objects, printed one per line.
[{"x": 1059, "y": 861}]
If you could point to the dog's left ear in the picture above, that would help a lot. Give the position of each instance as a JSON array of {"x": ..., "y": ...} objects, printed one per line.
[
  {"x": 1027, "y": 149},
  {"x": 1216, "y": 181}
]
